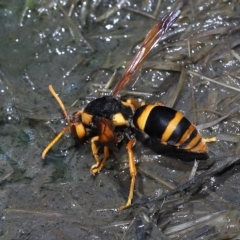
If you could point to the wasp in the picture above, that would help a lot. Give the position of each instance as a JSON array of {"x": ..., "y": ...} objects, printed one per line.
[{"x": 110, "y": 120}]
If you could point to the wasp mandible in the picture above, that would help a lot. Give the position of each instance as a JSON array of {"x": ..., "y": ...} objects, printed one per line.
[{"x": 110, "y": 120}]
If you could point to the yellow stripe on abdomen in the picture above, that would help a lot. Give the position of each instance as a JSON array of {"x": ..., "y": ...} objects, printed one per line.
[
  {"x": 142, "y": 119},
  {"x": 172, "y": 126}
]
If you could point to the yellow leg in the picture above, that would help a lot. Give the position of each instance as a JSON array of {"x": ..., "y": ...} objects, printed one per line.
[
  {"x": 158, "y": 104},
  {"x": 133, "y": 104},
  {"x": 97, "y": 167},
  {"x": 95, "y": 151},
  {"x": 212, "y": 139},
  {"x": 133, "y": 172}
]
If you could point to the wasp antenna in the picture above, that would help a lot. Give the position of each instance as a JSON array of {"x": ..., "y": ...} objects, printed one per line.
[
  {"x": 50, "y": 145},
  {"x": 149, "y": 42},
  {"x": 60, "y": 103}
]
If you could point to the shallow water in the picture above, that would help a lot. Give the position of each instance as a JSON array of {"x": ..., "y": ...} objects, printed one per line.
[{"x": 59, "y": 199}]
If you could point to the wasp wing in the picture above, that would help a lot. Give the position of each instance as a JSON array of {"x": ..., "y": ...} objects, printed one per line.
[{"x": 149, "y": 42}]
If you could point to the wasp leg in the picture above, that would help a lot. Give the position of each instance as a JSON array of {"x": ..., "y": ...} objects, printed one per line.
[
  {"x": 97, "y": 167},
  {"x": 158, "y": 104},
  {"x": 133, "y": 172},
  {"x": 134, "y": 104},
  {"x": 49, "y": 146},
  {"x": 131, "y": 103},
  {"x": 212, "y": 139}
]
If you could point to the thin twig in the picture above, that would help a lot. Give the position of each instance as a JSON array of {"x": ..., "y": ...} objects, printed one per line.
[{"x": 213, "y": 81}]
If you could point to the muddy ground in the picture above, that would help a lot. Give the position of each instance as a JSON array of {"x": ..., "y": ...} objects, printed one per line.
[{"x": 77, "y": 46}]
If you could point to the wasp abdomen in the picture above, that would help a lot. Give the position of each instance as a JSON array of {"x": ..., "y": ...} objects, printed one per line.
[{"x": 170, "y": 127}]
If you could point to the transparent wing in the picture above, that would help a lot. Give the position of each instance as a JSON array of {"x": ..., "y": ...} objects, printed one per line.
[{"x": 149, "y": 42}]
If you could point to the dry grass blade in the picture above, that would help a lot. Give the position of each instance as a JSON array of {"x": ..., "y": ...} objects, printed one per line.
[
  {"x": 111, "y": 11},
  {"x": 204, "y": 52},
  {"x": 156, "y": 11},
  {"x": 77, "y": 35},
  {"x": 131, "y": 93},
  {"x": 189, "y": 226},
  {"x": 23, "y": 15},
  {"x": 84, "y": 12},
  {"x": 209, "y": 33},
  {"x": 236, "y": 55},
  {"x": 228, "y": 138},
  {"x": 111, "y": 79},
  {"x": 213, "y": 81},
  {"x": 167, "y": 185},
  {"x": 112, "y": 35},
  {"x": 6, "y": 176},
  {"x": 163, "y": 65},
  {"x": 34, "y": 212},
  {"x": 140, "y": 12},
  {"x": 212, "y": 123},
  {"x": 73, "y": 67},
  {"x": 176, "y": 93},
  {"x": 194, "y": 170}
]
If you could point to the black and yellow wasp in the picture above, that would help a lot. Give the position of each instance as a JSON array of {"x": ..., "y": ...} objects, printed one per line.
[{"x": 110, "y": 120}]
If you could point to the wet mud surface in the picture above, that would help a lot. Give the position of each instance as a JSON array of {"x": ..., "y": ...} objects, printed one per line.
[{"x": 76, "y": 46}]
